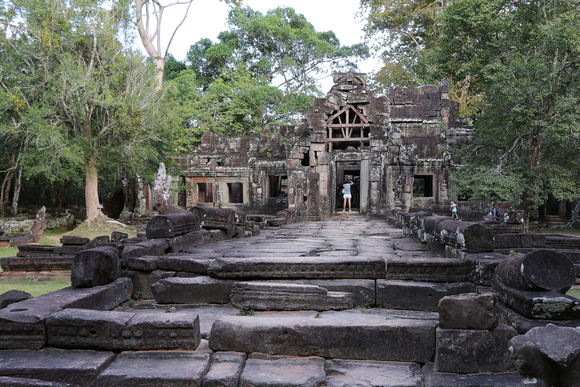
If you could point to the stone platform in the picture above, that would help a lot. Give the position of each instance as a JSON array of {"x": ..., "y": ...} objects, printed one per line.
[{"x": 379, "y": 342}]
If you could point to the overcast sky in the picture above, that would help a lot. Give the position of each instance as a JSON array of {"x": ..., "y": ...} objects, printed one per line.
[{"x": 207, "y": 18}]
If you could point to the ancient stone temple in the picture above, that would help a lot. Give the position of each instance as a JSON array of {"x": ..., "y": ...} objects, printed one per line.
[{"x": 395, "y": 148}]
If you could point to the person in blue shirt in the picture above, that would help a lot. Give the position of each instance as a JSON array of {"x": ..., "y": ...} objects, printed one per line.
[{"x": 346, "y": 195}]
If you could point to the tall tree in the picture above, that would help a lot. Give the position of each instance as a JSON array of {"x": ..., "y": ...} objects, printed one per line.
[
  {"x": 406, "y": 32},
  {"x": 149, "y": 21},
  {"x": 525, "y": 57},
  {"x": 263, "y": 70},
  {"x": 88, "y": 103}
]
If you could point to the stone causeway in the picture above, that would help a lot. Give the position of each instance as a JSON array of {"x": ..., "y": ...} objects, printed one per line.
[{"x": 347, "y": 301}]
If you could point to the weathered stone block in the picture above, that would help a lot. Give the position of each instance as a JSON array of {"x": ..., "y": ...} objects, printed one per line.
[
  {"x": 336, "y": 336},
  {"x": 225, "y": 369},
  {"x": 13, "y": 296},
  {"x": 79, "y": 368},
  {"x": 286, "y": 296},
  {"x": 146, "y": 247},
  {"x": 299, "y": 267},
  {"x": 172, "y": 225},
  {"x": 122, "y": 331},
  {"x": 468, "y": 311},
  {"x": 187, "y": 241},
  {"x": 96, "y": 266},
  {"x": 469, "y": 236},
  {"x": 205, "y": 290},
  {"x": 144, "y": 263},
  {"x": 468, "y": 351},
  {"x": 142, "y": 281},
  {"x": 537, "y": 270},
  {"x": 184, "y": 262},
  {"x": 427, "y": 269},
  {"x": 347, "y": 373},
  {"x": 22, "y": 324},
  {"x": 6, "y": 381},
  {"x": 542, "y": 305},
  {"x": 149, "y": 369},
  {"x": 262, "y": 371},
  {"x": 417, "y": 295},
  {"x": 549, "y": 355}
]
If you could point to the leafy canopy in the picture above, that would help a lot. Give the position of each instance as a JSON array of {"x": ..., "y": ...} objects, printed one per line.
[{"x": 524, "y": 57}]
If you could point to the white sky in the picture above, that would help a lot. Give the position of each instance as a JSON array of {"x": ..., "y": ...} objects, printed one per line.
[{"x": 207, "y": 18}]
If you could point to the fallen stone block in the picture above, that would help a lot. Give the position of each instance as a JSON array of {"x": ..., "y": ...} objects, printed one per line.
[
  {"x": 13, "y": 296},
  {"x": 481, "y": 267},
  {"x": 142, "y": 281},
  {"x": 539, "y": 305},
  {"x": 147, "y": 247},
  {"x": 468, "y": 236},
  {"x": 144, "y": 263},
  {"x": 417, "y": 295},
  {"x": 347, "y": 373},
  {"x": 187, "y": 241},
  {"x": 225, "y": 369},
  {"x": 196, "y": 290},
  {"x": 286, "y": 296},
  {"x": 79, "y": 368},
  {"x": 548, "y": 355},
  {"x": 94, "y": 267},
  {"x": 342, "y": 336},
  {"x": 299, "y": 267},
  {"x": 157, "y": 368},
  {"x": 538, "y": 270},
  {"x": 263, "y": 371},
  {"x": 22, "y": 324},
  {"x": 444, "y": 379},
  {"x": 468, "y": 351},
  {"x": 427, "y": 269},
  {"x": 468, "y": 311},
  {"x": 123, "y": 331},
  {"x": 217, "y": 218},
  {"x": 37, "y": 263},
  {"x": 172, "y": 224}
]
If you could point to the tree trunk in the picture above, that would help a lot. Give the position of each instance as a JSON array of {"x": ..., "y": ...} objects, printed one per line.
[
  {"x": 16, "y": 197},
  {"x": 92, "y": 204}
]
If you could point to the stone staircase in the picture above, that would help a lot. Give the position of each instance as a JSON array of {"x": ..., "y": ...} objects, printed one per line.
[{"x": 297, "y": 286}]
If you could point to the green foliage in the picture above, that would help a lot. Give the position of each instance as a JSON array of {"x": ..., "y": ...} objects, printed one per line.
[
  {"x": 407, "y": 31},
  {"x": 263, "y": 71},
  {"x": 77, "y": 97},
  {"x": 523, "y": 59}
]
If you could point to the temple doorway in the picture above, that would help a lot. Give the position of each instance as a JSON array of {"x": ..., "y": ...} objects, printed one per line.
[{"x": 345, "y": 172}]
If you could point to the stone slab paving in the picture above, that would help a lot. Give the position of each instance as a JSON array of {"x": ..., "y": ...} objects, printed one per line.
[
  {"x": 77, "y": 367},
  {"x": 346, "y": 336},
  {"x": 278, "y": 371},
  {"x": 348, "y": 373},
  {"x": 157, "y": 368}
]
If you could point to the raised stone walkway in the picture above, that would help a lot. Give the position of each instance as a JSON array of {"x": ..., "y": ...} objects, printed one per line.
[{"x": 362, "y": 346}]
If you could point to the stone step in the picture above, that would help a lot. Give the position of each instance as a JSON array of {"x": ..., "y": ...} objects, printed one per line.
[
  {"x": 411, "y": 295},
  {"x": 22, "y": 324},
  {"x": 330, "y": 335},
  {"x": 298, "y": 267},
  {"x": 427, "y": 269},
  {"x": 123, "y": 331},
  {"x": 285, "y": 296}
]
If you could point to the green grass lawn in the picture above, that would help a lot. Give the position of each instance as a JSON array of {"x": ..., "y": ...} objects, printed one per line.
[{"x": 36, "y": 288}]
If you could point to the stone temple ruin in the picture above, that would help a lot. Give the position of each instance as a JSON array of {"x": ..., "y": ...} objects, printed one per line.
[
  {"x": 214, "y": 296},
  {"x": 395, "y": 148}
]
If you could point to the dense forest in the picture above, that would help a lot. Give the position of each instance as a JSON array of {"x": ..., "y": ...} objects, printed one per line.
[{"x": 82, "y": 110}]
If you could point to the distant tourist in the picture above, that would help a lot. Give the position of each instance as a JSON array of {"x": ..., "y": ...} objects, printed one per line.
[
  {"x": 453, "y": 207},
  {"x": 494, "y": 212},
  {"x": 346, "y": 195}
]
